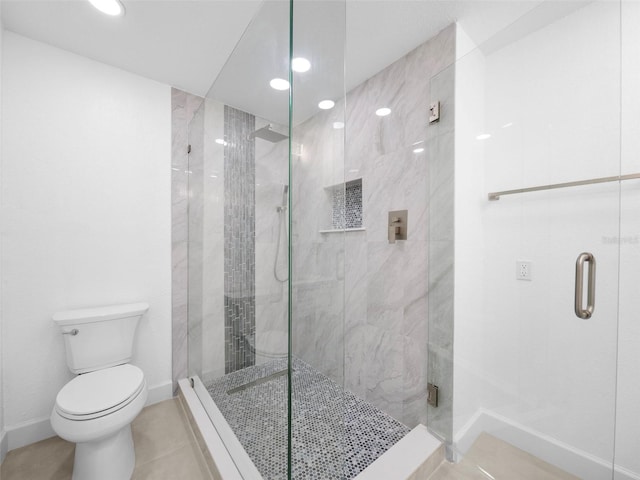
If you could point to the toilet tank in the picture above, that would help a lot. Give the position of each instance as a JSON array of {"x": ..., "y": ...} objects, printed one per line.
[{"x": 100, "y": 337}]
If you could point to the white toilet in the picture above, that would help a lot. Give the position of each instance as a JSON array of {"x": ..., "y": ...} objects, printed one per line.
[{"x": 95, "y": 409}]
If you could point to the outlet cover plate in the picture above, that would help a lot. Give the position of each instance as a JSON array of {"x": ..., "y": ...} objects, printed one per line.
[{"x": 524, "y": 270}]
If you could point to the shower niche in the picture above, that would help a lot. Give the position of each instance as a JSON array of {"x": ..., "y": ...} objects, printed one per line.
[{"x": 345, "y": 201}]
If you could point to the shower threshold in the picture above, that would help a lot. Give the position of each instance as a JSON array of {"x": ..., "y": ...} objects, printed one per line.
[{"x": 336, "y": 435}]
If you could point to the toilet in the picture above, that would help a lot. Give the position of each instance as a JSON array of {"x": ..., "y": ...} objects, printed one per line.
[{"x": 96, "y": 408}]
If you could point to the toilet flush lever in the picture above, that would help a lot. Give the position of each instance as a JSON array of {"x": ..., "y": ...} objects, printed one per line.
[{"x": 73, "y": 332}]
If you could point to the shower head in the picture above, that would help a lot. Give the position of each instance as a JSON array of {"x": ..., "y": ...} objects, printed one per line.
[{"x": 267, "y": 134}]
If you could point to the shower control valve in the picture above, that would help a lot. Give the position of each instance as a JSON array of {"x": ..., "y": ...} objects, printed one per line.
[{"x": 397, "y": 225}]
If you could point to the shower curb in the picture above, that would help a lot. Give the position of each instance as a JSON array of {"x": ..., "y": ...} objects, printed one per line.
[
  {"x": 218, "y": 459},
  {"x": 415, "y": 456}
]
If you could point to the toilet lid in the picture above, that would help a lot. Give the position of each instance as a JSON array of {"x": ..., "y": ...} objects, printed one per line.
[{"x": 100, "y": 390}]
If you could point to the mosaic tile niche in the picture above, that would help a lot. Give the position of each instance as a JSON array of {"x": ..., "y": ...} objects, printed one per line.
[
  {"x": 239, "y": 240},
  {"x": 347, "y": 205}
]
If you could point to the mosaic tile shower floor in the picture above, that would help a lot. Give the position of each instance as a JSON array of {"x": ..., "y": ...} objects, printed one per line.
[{"x": 336, "y": 435}]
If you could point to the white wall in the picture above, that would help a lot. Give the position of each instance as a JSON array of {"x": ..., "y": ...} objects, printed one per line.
[
  {"x": 527, "y": 368},
  {"x": 469, "y": 201},
  {"x": 86, "y": 217}
]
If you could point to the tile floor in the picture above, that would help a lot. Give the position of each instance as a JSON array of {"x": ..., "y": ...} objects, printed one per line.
[
  {"x": 166, "y": 449},
  {"x": 490, "y": 457},
  {"x": 336, "y": 435},
  {"x": 165, "y": 446}
]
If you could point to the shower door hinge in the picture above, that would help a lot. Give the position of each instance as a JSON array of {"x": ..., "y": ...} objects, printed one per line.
[
  {"x": 189, "y": 149},
  {"x": 434, "y": 112},
  {"x": 432, "y": 395}
]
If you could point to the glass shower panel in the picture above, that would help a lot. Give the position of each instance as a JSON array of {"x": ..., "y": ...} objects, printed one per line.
[
  {"x": 318, "y": 408},
  {"x": 440, "y": 148},
  {"x": 359, "y": 300},
  {"x": 533, "y": 371},
  {"x": 238, "y": 248}
]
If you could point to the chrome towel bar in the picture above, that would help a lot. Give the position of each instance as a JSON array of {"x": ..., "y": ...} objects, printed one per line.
[{"x": 496, "y": 195}]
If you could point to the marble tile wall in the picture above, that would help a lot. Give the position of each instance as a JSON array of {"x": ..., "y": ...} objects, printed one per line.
[
  {"x": 199, "y": 346},
  {"x": 195, "y": 251},
  {"x": 271, "y": 243},
  {"x": 360, "y": 309},
  {"x": 318, "y": 260},
  {"x": 183, "y": 106},
  {"x": 212, "y": 338}
]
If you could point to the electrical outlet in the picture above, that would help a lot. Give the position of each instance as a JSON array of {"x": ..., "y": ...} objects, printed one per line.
[{"x": 523, "y": 270}]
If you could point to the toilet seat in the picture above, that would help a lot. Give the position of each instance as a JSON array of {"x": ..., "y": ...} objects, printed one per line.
[{"x": 100, "y": 393}]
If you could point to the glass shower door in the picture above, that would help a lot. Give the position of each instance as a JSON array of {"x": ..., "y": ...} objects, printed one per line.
[
  {"x": 317, "y": 312},
  {"x": 237, "y": 248},
  {"x": 536, "y": 247}
]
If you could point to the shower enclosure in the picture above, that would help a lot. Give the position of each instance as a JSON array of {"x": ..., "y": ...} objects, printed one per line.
[{"x": 504, "y": 323}]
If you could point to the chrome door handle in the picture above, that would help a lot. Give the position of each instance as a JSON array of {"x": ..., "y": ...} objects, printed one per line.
[{"x": 585, "y": 313}]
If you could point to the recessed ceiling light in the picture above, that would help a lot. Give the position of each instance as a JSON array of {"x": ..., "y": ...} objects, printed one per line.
[
  {"x": 300, "y": 64},
  {"x": 383, "y": 112},
  {"x": 418, "y": 150},
  {"x": 110, "y": 7},
  {"x": 326, "y": 104},
  {"x": 279, "y": 84},
  {"x": 220, "y": 141},
  {"x": 483, "y": 136},
  {"x": 338, "y": 125}
]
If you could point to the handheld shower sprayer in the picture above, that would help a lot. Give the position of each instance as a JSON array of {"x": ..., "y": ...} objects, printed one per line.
[
  {"x": 285, "y": 192},
  {"x": 282, "y": 225}
]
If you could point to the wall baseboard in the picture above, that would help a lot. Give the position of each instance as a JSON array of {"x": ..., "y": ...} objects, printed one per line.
[
  {"x": 29, "y": 432},
  {"x": 4, "y": 445},
  {"x": 562, "y": 455},
  {"x": 160, "y": 393},
  {"x": 40, "y": 429}
]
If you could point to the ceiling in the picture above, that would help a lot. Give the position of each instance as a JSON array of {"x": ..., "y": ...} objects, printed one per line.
[{"x": 239, "y": 45}]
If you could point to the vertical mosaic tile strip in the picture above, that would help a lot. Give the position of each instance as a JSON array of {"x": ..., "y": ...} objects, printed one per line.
[
  {"x": 336, "y": 435},
  {"x": 347, "y": 205},
  {"x": 239, "y": 240}
]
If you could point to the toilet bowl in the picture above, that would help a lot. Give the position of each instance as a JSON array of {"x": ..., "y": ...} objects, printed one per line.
[
  {"x": 95, "y": 411},
  {"x": 96, "y": 408}
]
